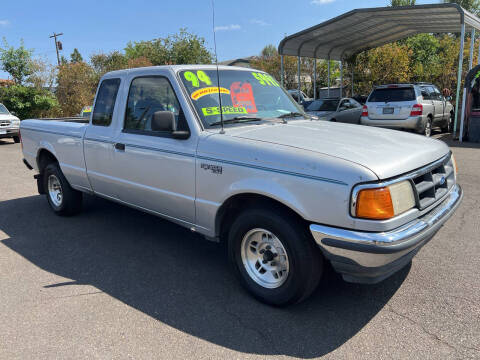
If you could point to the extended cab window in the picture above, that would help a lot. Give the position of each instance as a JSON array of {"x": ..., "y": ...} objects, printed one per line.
[
  {"x": 146, "y": 96},
  {"x": 105, "y": 103}
]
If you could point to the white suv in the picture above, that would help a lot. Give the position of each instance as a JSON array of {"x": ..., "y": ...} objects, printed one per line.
[
  {"x": 417, "y": 107},
  {"x": 9, "y": 125}
]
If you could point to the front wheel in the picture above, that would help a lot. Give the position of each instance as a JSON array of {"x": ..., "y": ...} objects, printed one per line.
[
  {"x": 16, "y": 139},
  {"x": 273, "y": 257},
  {"x": 62, "y": 198}
]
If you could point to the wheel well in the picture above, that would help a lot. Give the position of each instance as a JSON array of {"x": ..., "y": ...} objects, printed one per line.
[
  {"x": 44, "y": 158},
  {"x": 238, "y": 203}
]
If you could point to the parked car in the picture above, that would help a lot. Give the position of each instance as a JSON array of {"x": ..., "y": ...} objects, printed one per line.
[
  {"x": 300, "y": 97},
  {"x": 9, "y": 125},
  {"x": 86, "y": 111},
  {"x": 345, "y": 110},
  {"x": 418, "y": 107},
  {"x": 287, "y": 193}
]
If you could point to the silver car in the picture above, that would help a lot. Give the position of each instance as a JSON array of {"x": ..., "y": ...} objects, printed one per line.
[
  {"x": 344, "y": 110},
  {"x": 418, "y": 107}
]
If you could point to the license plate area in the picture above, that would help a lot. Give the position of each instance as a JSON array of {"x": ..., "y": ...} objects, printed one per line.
[{"x": 388, "y": 111}]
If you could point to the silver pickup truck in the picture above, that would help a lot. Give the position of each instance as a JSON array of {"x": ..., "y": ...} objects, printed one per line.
[{"x": 285, "y": 191}]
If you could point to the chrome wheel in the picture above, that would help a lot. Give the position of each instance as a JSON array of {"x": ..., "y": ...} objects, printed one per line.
[
  {"x": 55, "y": 190},
  {"x": 428, "y": 128},
  {"x": 265, "y": 258}
]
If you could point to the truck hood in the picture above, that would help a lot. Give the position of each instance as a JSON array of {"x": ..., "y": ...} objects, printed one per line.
[{"x": 387, "y": 153}]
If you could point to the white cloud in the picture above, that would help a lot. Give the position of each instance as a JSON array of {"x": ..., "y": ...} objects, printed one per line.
[
  {"x": 321, "y": 2},
  {"x": 228, "y": 27},
  {"x": 4, "y": 22},
  {"x": 259, "y": 22}
]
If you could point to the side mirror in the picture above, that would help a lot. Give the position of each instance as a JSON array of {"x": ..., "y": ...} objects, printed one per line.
[
  {"x": 448, "y": 98},
  {"x": 165, "y": 121},
  {"x": 13, "y": 113},
  {"x": 342, "y": 108}
]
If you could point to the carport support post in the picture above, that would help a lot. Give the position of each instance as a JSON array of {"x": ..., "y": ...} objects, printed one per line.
[
  {"x": 472, "y": 47},
  {"x": 463, "y": 112},
  {"x": 341, "y": 78},
  {"x": 282, "y": 71},
  {"x": 353, "y": 94},
  {"x": 315, "y": 79},
  {"x": 299, "y": 78},
  {"x": 328, "y": 76},
  {"x": 459, "y": 77}
]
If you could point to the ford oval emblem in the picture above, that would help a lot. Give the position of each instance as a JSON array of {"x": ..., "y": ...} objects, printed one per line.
[{"x": 442, "y": 180}]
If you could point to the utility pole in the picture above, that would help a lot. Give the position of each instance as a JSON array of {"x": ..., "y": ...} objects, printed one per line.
[{"x": 56, "y": 45}]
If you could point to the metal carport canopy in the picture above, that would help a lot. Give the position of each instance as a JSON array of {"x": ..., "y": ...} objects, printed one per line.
[
  {"x": 368, "y": 28},
  {"x": 364, "y": 29}
]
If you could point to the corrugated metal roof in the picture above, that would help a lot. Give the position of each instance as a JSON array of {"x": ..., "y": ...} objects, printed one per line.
[{"x": 363, "y": 29}]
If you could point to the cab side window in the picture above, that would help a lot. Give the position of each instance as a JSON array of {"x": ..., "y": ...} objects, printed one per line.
[
  {"x": 105, "y": 102},
  {"x": 146, "y": 96}
]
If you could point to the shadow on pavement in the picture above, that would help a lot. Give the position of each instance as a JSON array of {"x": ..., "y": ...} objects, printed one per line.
[
  {"x": 447, "y": 138},
  {"x": 182, "y": 280}
]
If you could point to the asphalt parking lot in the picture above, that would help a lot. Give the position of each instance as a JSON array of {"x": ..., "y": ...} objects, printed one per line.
[{"x": 117, "y": 283}]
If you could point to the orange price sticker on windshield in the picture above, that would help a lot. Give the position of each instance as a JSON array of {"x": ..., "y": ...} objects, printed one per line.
[{"x": 242, "y": 96}]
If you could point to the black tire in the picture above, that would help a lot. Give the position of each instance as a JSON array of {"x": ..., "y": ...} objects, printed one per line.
[
  {"x": 70, "y": 202},
  {"x": 304, "y": 257},
  {"x": 16, "y": 139},
  {"x": 449, "y": 126},
  {"x": 333, "y": 120}
]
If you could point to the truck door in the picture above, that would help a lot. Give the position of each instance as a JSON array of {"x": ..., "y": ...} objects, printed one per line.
[
  {"x": 156, "y": 172},
  {"x": 440, "y": 100},
  {"x": 98, "y": 145}
]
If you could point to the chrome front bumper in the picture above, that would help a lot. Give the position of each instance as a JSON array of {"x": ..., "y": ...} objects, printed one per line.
[{"x": 370, "y": 257}]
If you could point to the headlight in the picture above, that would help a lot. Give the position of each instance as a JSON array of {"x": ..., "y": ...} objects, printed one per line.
[
  {"x": 384, "y": 202},
  {"x": 16, "y": 122}
]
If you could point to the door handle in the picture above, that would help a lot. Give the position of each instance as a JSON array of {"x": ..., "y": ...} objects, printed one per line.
[{"x": 119, "y": 146}]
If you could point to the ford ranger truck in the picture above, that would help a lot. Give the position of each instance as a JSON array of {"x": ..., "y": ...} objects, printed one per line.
[{"x": 287, "y": 193}]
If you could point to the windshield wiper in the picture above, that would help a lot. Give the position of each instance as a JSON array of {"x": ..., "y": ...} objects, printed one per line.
[
  {"x": 290, "y": 115},
  {"x": 237, "y": 119}
]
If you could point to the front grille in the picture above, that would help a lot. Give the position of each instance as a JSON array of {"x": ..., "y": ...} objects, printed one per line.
[
  {"x": 433, "y": 183},
  {"x": 4, "y": 123}
]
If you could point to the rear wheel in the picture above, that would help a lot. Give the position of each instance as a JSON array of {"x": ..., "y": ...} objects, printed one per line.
[
  {"x": 16, "y": 139},
  {"x": 274, "y": 259},
  {"x": 449, "y": 125},
  {"x": 62, "y": 198},
  {"x": 427, "y": 129}
]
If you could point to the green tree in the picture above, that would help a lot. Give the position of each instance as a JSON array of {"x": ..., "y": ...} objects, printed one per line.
[
  {"x": 16, "y": 61},
  {"x": 29, "y": 102},
  {"x": 76, "y": 84},
  {"x": 180, "y": 48},
  {"x": 103, "y": 63},
  {"x": 75, "y": 56},
  {"x": 269, "y": 51},
  {"x": 470, "y": 5},
  {"x": 402, "y": 2}
]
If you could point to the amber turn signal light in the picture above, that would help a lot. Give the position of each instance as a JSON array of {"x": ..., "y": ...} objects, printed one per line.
[{"x": 375, "y": 204}]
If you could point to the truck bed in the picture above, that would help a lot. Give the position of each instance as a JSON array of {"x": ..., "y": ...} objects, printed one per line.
[{"x": 61, "y": 137}]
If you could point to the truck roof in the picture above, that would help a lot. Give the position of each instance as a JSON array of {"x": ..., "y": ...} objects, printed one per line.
[{"x": 176, "y": 68}]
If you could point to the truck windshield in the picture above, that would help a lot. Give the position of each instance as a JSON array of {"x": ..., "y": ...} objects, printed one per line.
[
  {"x": 246, "y": 96},
  {"x": 3, "y": 110}
]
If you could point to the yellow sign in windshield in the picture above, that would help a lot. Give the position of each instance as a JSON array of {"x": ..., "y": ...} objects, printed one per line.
[
  {"x": 228, "y": 110},
  {"x": 197, "y": 94}
]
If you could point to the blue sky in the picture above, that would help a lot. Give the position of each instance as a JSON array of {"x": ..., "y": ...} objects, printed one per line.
[{"x": 243, "y": 27}]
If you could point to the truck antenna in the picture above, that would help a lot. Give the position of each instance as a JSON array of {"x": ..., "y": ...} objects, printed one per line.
[{"x": 222, "y": 131}]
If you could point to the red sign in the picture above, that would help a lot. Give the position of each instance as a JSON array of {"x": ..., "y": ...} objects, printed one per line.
[{"x": 242, "y": 96}]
